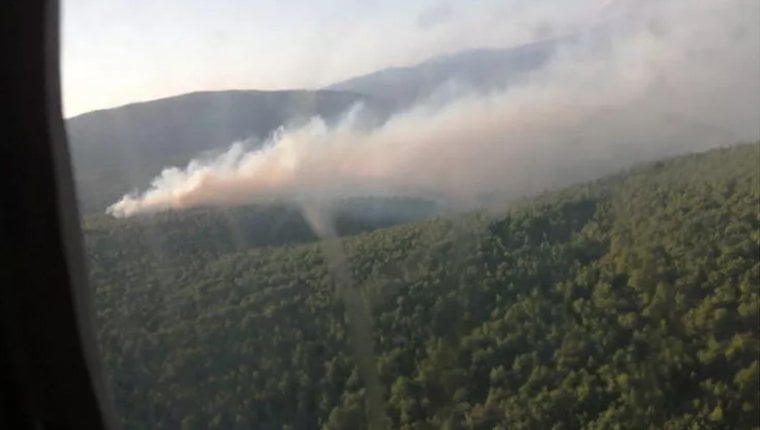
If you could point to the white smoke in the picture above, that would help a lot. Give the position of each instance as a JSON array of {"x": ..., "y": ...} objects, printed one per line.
[{"x": 655, "y": 78}]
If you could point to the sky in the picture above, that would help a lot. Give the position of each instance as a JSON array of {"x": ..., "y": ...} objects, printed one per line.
[{"x": 116, "y": 52}]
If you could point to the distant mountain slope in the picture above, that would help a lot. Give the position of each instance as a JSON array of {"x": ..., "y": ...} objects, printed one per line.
[
  {"x": 480, "y": 69},
  {"x": 117, "y": 150}
]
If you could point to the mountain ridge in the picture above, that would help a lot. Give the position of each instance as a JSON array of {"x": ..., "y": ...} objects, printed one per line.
[
  {"x": 120, "y": 149},
  {"x": 479, "y": 69},
  {"x": 117, "y": 150}
]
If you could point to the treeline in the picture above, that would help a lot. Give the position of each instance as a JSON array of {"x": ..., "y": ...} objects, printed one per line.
[
  {"x": 630, "y": 302},
  {"x": 208, "y": 232}
]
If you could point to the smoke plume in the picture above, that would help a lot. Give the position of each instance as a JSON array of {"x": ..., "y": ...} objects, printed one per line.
[{"x": 649, "y": 79}]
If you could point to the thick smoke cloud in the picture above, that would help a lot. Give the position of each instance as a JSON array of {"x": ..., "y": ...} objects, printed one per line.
[{"x": 651, "y": 79}]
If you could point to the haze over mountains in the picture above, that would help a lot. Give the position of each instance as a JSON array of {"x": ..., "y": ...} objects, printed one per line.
[
  {"x": 121, "y": 149},
  {"x": 675, "y": 78},
  {"x": 117, "y": 150},
  {"x": 473, "y": 70}
]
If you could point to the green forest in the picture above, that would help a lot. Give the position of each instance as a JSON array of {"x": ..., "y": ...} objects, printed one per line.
[{"x": 630, "y": 302}]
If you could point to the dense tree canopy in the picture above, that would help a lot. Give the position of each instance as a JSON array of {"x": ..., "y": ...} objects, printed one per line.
[{"x": 630, "y": 302}]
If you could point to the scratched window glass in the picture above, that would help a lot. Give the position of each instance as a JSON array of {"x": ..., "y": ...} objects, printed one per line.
[{"x": 420, "y": 214}]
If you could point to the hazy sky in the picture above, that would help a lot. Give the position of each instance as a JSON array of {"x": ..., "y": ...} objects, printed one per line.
[{"x": 120, "y": 51}]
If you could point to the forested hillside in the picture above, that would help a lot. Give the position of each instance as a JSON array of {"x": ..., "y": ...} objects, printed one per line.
[
  {"x": 630, "y": 302},
  {"x": 203, "y": 233}
]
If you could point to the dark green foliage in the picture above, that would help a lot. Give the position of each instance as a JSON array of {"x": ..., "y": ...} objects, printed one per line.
[
  {"x": 210, "y": 232},
  {"x": 630, "y": 302}
]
